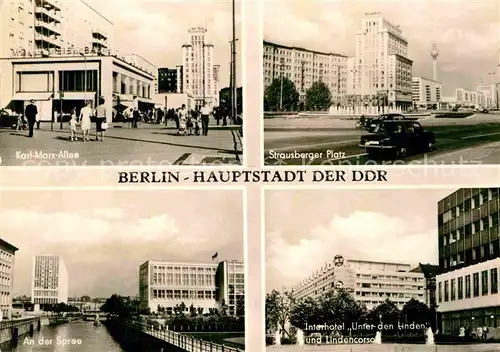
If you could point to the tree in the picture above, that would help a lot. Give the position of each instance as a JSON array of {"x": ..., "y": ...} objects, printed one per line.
[
  {"x": 385, "y": 313},
  {"x": 86, "y": 298},
  {"x": 223, "y": 308},
  {"x": 415, "y": 312},
  {"x": 305, "y": 311},
  {"x": 318, "y": 96},
  {"x": 240, "y": 306},
  {"x": 274, "y": 96},
  {"x": 200, "y": 311},
  {"x": 339, "y": 307},
  {"x": 278, "y": 310},
  {"x": 193, "y": 311}
]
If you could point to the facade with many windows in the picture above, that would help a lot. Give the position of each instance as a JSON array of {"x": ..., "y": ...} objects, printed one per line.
[
  {"x": 426, "y": 92},
  {"x": 170, "y": 80},
  {"x": 166, "y": 285},
  {"x": 469, "y": 258},
  {"x": 7, "y": 261},
  {"x": 370, "y": 282},
  {"x": 200, "y": 73},
  {"x": 304, "y": 67},
  {"x": 49, "y": 280}
]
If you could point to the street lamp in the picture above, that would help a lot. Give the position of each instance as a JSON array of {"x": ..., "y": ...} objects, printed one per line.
[
  {"x": 85, "y": 78},
  {"x": 281, "y": 83}
]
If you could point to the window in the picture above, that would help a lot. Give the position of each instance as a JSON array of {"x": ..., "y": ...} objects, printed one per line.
[
  {"x": 484, "y": 282},
  {"x": 494, "y": 280},
  {"x": 446, "y": 291},
  {"x": 476, "y": 284},
  {"x": 460, "y": 288},
  {"x": 453, "y": 289},
  {"x": 467, "y": 286}
]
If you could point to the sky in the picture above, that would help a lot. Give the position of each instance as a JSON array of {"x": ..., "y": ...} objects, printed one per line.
[
  {"x": 157, "y": 29},
  {"x": 306, "y": 228},
  {"x": 466, "y": 32},
  {"x": 104, "y": 236}
]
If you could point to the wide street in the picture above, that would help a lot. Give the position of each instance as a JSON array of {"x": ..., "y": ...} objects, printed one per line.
[
  {"x": 386, "y": 348},
  {"x": 148, "y": 145},
  {"x": 473, "y": 140}
]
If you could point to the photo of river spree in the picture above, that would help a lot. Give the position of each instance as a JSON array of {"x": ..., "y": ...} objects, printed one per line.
[{"x": 104, "y": 270}]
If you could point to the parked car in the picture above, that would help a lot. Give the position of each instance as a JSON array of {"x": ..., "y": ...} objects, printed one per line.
[
  {"x": 485, "y": 111},
  {"x": 8, "y": 119},
  {"x": 398, "y": 138},
  {"x": 372, "y": 123}
]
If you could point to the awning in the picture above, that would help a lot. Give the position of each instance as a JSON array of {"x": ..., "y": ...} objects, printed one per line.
[
  {"x": 34, "y": 96},
  {"x": 145, "y": 100},
  {"x": 77, "y": 95}
]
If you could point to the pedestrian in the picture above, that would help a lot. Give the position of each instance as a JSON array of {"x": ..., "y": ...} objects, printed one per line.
[
  {"x": 31, "y": 113},
  {"x": 20, "y": 122},
  {"x": 72, "y": 125},
  {"x": 205, "y": 117},
  {"x": 136, "y": 117},
  {"x": 182, "y": 118},
  {"x": 85, "y": 122},
  {"x": 100, "y": 119},
  {"x": 175, "y": 115}
]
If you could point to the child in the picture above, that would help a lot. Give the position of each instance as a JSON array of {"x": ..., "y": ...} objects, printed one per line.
[{"x": 72, "y": 125}]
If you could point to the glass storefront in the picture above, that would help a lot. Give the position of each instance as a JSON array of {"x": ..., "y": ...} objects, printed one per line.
[{"x": 473, "y": 318}]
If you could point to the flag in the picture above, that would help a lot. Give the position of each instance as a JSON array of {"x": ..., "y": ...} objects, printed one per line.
[{"x": 215, "y": 255}]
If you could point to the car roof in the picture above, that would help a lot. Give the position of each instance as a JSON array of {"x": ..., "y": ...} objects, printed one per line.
[
  {"x": 399, "y": 121},
  {"x": 391, "y": 114}
]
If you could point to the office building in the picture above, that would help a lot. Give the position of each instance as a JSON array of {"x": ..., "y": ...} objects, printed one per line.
[
  {"x": 167, "y": 284},
  {"x": 49, "y": 280},
  {"x": 230, "y": 281},
  {"x": 304, "y": 67},
  {"x": 381, "y": 70},
  {"x": 469, "y": 259},
  {"x": 426, "y": 93},
  {"x": 7, "y": 262},
  {"x": 370, "y": 282},
  {"x": 200, "y": 73},
  {"x": 66, "y": 80},
  {"x": 170, "y": 80}
]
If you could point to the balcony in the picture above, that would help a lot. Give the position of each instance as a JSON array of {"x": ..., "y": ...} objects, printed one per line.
[
  {"x": 42, "y": 13},
  {"x": 46, "y": 41},
  {"x": 49, "y": 4},
  {"x": 99, "y": 43},
  {"x": 42, "y": 26},
  {"x": 99, "y": 34}
]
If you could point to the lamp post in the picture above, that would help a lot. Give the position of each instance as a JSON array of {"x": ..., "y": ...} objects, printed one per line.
[
  {"x": 281, "y": 83},
  {"x": 234, "y": 101},
  {"x": 85, "y": 78}
]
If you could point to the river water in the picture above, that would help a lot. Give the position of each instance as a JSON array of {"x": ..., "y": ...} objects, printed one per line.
[{"x": 74, "y": 337}]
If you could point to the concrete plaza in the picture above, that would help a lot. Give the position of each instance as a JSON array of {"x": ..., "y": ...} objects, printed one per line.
[
  {"x": 386, "y": 348},
  {"x": 148, "y": 145}
]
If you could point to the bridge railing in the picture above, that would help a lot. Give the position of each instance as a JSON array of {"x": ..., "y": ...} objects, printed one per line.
[
  {"x": 4, "y": 324},
  {"x": 185, "y": 342}
]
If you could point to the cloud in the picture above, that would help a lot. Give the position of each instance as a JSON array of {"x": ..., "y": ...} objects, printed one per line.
[{"x": 361, "y": 235}]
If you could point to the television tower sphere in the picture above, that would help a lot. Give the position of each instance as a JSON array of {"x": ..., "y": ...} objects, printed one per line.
[{"x": 434, "y": 52}]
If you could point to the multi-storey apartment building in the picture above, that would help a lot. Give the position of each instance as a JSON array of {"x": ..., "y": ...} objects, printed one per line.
[
  {"x": 49, "y": 280},
  {"x": 426, "y": 92},
  {"x": 469, "y": 258},
  {"x": 200, "y": 74},
  {"x": 468, "y": 98},
  {"x": 490, "y": 92},
  {"x": 230, "y": 281},
  {"x": 170, "y": 80},
  {"x": 304, "y": 67},
  {"x": 381, "y": 70},
  {"x": 7, "y": 261},
  {"x": 370, "y": 282},
  {"x": 167, "y": 284}
]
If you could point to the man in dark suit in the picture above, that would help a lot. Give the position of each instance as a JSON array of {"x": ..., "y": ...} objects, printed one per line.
[{"x": 30, "y": 112}]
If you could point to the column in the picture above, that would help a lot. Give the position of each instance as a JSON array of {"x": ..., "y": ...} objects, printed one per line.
[{"x": 106, "y": 81}]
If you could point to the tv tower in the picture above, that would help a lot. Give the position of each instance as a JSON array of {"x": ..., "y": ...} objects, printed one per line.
[{"x": 434, "y": 54}]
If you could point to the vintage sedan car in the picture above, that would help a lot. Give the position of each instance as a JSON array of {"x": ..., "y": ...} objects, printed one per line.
[{"x": 398, "y": 138}]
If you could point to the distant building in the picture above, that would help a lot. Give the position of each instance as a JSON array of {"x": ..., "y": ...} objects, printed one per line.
[
  {"x": 165, "y": 285},
  {"x": 49, "y": 280},
  {"x": 230, "y": 282},
  {"x": 468, "y": 98},
  {"x": 200, "y": 73},
  {"x": 469, "y": 259},
  {"x": 426, "y": 93},
  {"x": 430, "y": 271},
  {"x": 490, "y": 92},
  {"x": 304, "y": 67},
  {"x": 7, "y": 262},
  {"x": 170, "y": 80},
  {"x": 370, "y": 282}
]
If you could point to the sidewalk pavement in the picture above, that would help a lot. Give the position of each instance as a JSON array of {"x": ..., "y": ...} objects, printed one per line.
[{"x": 121, "y": 146}]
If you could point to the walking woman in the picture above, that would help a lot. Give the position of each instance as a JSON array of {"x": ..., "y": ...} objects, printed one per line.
[
  {"x": 100, "y": 119},
  {"x": 85, "y": 113}
]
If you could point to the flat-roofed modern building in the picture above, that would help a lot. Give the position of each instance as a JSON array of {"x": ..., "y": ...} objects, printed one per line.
[
  {"x": 167, "y": 284},
  {"x": 65, "y": 80},
  {"x": 230, "y": 290},
  {"x": 426, "y": 93},
  {"x": 7, "y": 261},
  {"x": 304, "y": 67},
  {"x": 469, "y": 259},
  {"x": 370, "y": 282},
  {"x": 49, "y": 280}
]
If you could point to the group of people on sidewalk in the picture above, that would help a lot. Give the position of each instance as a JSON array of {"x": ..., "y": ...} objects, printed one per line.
[
  {"x": 188, "y": 122},
  {"x": 83, "y": 119}
]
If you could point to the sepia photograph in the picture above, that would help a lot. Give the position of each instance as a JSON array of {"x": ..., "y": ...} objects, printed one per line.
[
  {"x": 383, "y": 82},
  {"x": 122, "y": 271},
  {"x": 353, "y": 270},
  {"x": 114, "y": 83}
]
